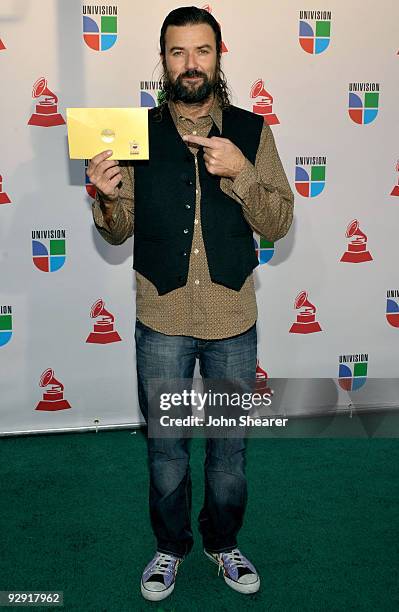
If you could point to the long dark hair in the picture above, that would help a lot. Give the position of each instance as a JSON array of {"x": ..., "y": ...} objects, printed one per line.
[{"x": 191, "y": 15}]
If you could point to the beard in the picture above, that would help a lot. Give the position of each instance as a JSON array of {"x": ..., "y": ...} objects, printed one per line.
[{"x": 191, "y": 93}]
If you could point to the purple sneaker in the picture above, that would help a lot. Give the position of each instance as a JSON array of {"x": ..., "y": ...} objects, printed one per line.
[
  {"x": 158, "y": 579},
  {"x": 238, "y": 572}
]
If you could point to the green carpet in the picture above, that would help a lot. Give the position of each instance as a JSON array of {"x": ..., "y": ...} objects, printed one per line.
[{"x": 322, "y": 524}]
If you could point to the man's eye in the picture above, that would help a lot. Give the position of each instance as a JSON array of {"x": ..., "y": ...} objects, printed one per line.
[
  {"x": 204, "y": 51},
  {"x": 177, "y": 52}
]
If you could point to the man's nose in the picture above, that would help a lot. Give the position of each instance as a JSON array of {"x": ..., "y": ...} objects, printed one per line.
[{"x": 191, "y": 61}]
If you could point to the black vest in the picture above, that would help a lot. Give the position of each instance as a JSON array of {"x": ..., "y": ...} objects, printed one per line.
[{"x": 164, "y": 194}]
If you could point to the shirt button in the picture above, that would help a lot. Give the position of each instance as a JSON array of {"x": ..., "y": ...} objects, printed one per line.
[
  {"x": 194, "y": 132},
  {"x": 196, "y": 221},
  {"x": 187, "y": 206},
  {"x": 196, "y": 251},
  {"x": 185, "y": 231},
  {"x": 196, "y": 281}
]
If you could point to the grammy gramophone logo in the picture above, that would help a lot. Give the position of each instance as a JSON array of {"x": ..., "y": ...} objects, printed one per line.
[
  {"x": 261, "y": 380},
  {"x": 263, "y": 104},
  {"x": 103, "y": 328},
  {"x": 53, "y": 395},
  {"x": 46, "y": 114},
  {"x": 208, "y": 8},
  {"x": 356, "y": 251},
  {"x": 4, "y": 199},
  {"x": 395, "y": 190},
  {"x": 306, "y": 318}
]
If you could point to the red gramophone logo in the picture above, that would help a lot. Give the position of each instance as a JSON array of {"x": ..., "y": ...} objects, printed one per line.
[
  {"x": 261, "y": 383},
  {"x": 103, "y": 331},
  {"x": 395, "y": 190},
  {"x": 53, "y": 397},
  {"x": 46, "y": 114},
  {"x": 208, "y": 8},
  {"x": 90, "y": 188},
  {"x": 4, "y": 199},
  {"x": 356, "y": 251},
  {"x": 263, "y": 105},
  {"x": 2, "y": 45},
  {"x": 306, "y": 318}
]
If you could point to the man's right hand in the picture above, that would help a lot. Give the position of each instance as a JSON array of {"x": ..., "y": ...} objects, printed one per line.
[{"x": 105, "y": 175}]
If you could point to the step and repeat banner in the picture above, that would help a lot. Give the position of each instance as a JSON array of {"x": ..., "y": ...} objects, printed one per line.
[{"x": 324, "y": 76}]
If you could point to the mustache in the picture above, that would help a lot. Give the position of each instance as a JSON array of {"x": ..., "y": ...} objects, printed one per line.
[{"x": 191, "y": 73}]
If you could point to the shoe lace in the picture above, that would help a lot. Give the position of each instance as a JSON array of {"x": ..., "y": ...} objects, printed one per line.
[
  {"x": 235, "y": 556},
  {"x": 161, "y": 563}
]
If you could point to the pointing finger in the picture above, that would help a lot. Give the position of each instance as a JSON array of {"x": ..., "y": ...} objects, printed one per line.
[{"x": 204, "y": 142}]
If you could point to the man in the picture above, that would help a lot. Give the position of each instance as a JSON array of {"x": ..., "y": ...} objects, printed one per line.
[{"x": 214, "y": 176}]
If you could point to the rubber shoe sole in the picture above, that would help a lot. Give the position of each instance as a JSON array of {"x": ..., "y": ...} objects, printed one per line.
[
  {"x": 246, "y": 589},
  {"x": 156, "y": 595}
]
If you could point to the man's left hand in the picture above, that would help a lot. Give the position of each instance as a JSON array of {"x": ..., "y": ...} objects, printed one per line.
[{"x": 221, "y": 156}]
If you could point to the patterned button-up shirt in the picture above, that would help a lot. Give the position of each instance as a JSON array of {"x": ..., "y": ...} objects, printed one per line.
[{"x": 201, "y": 308}]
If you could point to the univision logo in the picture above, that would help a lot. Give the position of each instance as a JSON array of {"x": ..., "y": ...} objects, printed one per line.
[
  {"x": 363, "y": 102},
  {"x": 264, "y": 249},
  {"x": 48, "y": 249},
  {"x": 392, "y": 307},
  {"x": 149, "y": 93},
  {"x": 5, "y": 324},
  {"x": 100, "y": 30},
  {"x": 310, "y": 175},
  {"x": 352, "y": 372},
  {"x": 314, "y": 31}
]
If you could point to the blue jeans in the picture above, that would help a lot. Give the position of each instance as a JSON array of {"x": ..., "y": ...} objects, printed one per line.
[{"x": 161, "y": 356}]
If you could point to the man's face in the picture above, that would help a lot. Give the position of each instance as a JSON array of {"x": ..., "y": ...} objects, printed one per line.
[{"x": 190, "y": 61}]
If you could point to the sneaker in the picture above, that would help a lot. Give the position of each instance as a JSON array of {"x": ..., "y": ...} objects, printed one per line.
[
  {"x": 158, "y": 579},
  {"x": 239, "y": 573}
]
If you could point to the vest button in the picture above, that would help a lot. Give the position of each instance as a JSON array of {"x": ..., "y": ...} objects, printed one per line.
[
  {"x": 187, "y": 206},
  {"x": 185, "y": 231},
  {"x": 184, "y": 253}
]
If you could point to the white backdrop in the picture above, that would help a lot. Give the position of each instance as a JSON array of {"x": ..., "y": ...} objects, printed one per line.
[{"x": 49, "y": 312}]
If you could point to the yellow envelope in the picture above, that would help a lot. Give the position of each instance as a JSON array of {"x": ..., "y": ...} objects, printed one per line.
[{"x": 121, "y": 130}]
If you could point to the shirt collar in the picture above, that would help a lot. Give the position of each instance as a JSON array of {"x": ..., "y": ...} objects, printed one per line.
[{"x": 215, "y": 112}]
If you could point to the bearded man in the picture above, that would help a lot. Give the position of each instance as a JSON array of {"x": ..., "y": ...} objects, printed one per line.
[{"x": 213, "y": 177}]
